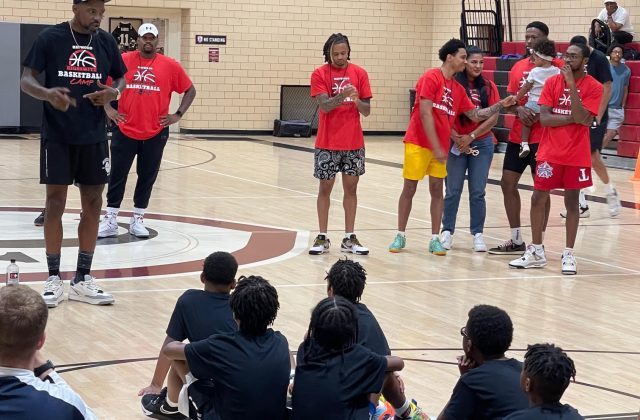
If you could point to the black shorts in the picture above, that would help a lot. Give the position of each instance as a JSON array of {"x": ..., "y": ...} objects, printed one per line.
[
  {"x": 66, "y": 164},
  {"x": 597, "y": 132},
  {"x": 327, "y": 163},
  {"x": 513, "y": 162}
]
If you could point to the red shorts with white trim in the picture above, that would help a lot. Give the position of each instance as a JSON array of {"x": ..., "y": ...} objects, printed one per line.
[{"x": 551, "y": 176}]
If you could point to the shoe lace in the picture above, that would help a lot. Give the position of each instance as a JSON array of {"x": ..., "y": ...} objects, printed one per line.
[
  {"x": 354, "y": 241},
  {"x": 319, "y": 242},
  {"x": 50, "y": 285},
  {"x": 506, "y": 244}
]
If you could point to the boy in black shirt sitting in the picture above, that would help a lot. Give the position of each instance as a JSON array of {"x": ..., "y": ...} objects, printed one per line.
[
  {"x": 197, "y": 315},
  {"x": 335, "y": 375},
  {"x": 347, "y": 279},
  {"x": 244, "y": 374},
  {"x": 546, "y": 375},
  {"x": 489, "y": 385}
]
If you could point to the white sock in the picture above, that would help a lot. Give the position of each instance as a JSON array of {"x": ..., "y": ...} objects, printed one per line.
[
  {"x": 401, "y": 234},
  {"x": 348, "y": 235},
  {"x": 435, "y": 236},
  {"x": 582, "y": 200},
  {"x": 610, "y": 188},
  {"x": 539, "y": 249},
  {"x": 171, "y": 403},
  {"x": 567, "y": 251},
  {"x": 323, "y": 234},
  {"x": 516, "y": 236},
  {"x": 113, "y": 210},
  {"x": 138, "y": 211}
]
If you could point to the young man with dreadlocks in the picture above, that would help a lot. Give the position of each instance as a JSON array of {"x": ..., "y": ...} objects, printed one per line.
[
  {"x": 489, "y": 384},
  {"x": 439, "y": 100},
  {"x": 546, "y": 375},
  {"x": 343, "y": 93},
  {"x": 244, "y": 374},
  {"x": 347, "y": 279},
  {"x": 335, "y": 375}
]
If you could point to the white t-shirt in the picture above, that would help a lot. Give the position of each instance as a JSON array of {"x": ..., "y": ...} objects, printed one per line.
[
  {"x": 538, "y": 76},
  {"x": 620, "y": 16}
]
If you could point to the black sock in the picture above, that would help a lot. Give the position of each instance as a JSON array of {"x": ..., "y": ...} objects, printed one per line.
[
  {"x": 53, "y": 263},
  {"x": 84, "y": 265}
]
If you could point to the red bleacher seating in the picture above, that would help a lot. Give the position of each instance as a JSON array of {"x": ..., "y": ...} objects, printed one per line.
[
  {"x": 634, "y": 84},
  {"x": 628, "y": 148},
  {"x": 633, "y": 101},
  {"x": 490, "y": 63},
  {"x": 632, "y": 116}
]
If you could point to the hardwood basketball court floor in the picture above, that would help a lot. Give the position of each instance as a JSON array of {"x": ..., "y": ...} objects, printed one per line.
[{"x": 256, "y": 197}]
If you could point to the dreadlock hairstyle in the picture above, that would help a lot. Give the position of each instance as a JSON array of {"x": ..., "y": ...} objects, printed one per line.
[
  {"x": 255, "y": 304},
  {"x": 479, "y": 84},
  {"x": 551, "y": 369},
  {"x": 490, "y": 330},
  {"x": 333, "y": 328},
  {"x": 347, "y": 278},
  {"x": 333, "y": 40}
]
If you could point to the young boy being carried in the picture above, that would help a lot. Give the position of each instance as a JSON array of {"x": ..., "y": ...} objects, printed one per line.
[{"x": 197, "y": 315}]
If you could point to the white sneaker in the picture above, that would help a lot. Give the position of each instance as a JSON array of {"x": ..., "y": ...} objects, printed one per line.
[
  {"x": 584, "y": 213},
  {"x": 136, "y": 226},
  {"x": 613, "y": 203},
  {"x": 569, "y": 265},
  {"x": 320, "y": 245},
  {"x": 353, "y": 245},
  {"x": 530, "y": 259},
  {"x": 89, "y": 292},
  {"x": 53, "y": 292},
  {"x": 524, "y": 150},
  {"x": 109, "y": 226},
  {"x": 446, "y": 239},
  {"x": 478, "y": 243}
]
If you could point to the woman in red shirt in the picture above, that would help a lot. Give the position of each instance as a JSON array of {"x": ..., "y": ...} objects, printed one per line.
[{"x": 471, "y": 152}]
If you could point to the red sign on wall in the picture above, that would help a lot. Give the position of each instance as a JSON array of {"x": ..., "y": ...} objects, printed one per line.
[{"x": 214, "y": 55}]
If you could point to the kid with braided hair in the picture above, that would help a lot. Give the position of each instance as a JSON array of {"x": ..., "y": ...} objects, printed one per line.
[
  {"x": 347, "y": 279},
  {"x": 335, "y": 375},
  {"x": 546, "y": 375},
  {"x": 244, "y": 374}
]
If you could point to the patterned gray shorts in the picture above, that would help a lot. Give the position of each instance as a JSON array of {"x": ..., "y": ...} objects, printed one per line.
[{"x": 327, "y": 163}]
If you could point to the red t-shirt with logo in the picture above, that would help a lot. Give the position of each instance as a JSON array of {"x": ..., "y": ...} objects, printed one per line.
[
  {"x": 449, "y": 100},
  {"x": 340, "y": 128},
  {"x": 517, "y": 77},
  {"x": 569, "y": 144},
  {"x": 146, "y": 98},
  {"x": 468, "y": 126}
]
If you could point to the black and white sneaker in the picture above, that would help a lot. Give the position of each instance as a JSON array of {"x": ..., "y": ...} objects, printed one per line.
[
  {"x": 320, "y": 245},
  {"x": 39, "y": 221},
  {"x": 156, "y": 407}
]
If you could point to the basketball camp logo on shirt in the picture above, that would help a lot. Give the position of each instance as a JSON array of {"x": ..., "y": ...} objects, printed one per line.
[
  {"x": 339, "y": 85},
  {"x": 82, "y": 67},
  {"x": 564, "y": 103},
  {"x": 446, "y": 103},
  {"x": 144, "y": 79}
]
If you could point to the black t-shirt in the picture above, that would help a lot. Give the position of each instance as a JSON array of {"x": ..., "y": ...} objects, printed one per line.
[
  {"x": 547, "y": 412},
  {"x": 490, "y": 391},
  {"x": 126, "y": 35},
  {"x": 250, "y": 374},
  {"x": 598, "y": 67},
  {"x": 337, "y": 386},
  {"x": 370, "y": 334},
  {"x": 199, "y": 314},
  {"x": 77, "y": 68}
]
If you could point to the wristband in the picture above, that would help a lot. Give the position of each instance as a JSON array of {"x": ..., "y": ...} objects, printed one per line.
[{"x": 179, "y": 113}]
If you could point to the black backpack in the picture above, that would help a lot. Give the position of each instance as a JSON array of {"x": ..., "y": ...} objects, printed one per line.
[{"x": 604, "y": 40}]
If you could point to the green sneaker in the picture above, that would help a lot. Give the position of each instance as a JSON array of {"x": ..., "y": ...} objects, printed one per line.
[
  {"x": 398, "y": 243},
  {"x": 436, "y": 248}
]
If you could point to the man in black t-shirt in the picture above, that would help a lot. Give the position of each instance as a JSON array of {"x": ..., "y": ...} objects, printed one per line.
[
  {"x": 76, "y": 58},
  {"x": 489, "y": 385},
  {"x": 546, "y": 375},
  {"x": 599, "y": 68},
  {"x": 198, "y": 314},
  {"x": 347, "y": 279},
  {"x": 240, "y": 375}
]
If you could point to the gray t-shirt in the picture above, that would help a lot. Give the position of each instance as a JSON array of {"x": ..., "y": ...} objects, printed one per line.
[{"x": 538, "y": 76}]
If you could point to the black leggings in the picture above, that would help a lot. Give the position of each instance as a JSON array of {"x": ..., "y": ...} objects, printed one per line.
[{"x": 123, "y": 151}]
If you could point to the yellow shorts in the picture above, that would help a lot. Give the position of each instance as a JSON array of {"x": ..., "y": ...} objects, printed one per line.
[{"x": 419, "y": 162}]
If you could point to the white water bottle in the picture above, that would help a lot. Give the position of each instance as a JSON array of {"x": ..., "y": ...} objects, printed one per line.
[{"x": 13, "y": 273}]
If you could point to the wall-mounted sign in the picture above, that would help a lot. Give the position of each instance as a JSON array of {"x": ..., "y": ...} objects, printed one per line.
[
  {"x": 211, "y": 39},
  {"x": 214, "y": 55}
]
